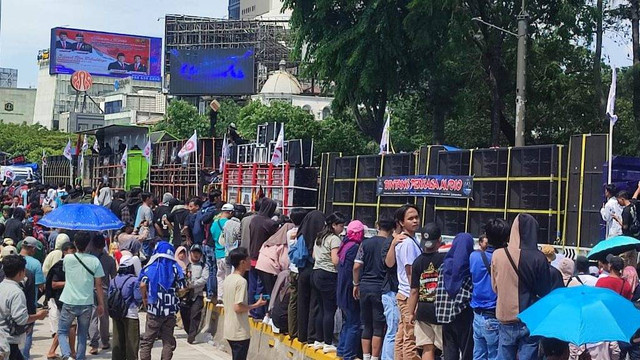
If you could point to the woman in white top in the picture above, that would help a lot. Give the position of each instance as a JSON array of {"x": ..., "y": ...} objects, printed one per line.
[{"x": 325, "y": 277}]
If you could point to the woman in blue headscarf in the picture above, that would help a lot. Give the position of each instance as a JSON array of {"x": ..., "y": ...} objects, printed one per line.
[
  {"x": 453, "y": 297},
  {"x": 159, "y": 281}
]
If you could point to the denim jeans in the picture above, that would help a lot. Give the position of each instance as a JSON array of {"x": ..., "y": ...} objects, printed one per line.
[
  {"x": 392, "y": 316},
  {"x": 515, "y": 339},
  {"x": 26, "y": 350},
  {"x": 350, "y": 335},
  {"x": 255, "y": 287},
  {"x": 67, "y": 314},
  {"x": 212, "y": 281},
  {"x": 486, "y": 334}
]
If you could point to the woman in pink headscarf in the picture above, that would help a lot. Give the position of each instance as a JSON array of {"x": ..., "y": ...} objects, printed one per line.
[{"x": 350, "y": 334}]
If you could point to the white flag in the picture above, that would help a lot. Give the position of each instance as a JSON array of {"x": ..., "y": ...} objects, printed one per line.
[
  {"x": 225, "y": 153},
  {"x": 611, "y": 102},
  {"x": 276, "y": 158},
  {"x": 190, "y": 146},
  {"x": 44, "y": 158},
  {"x": 384, "y": 141},
  {"x": 67, "y": 150},
  {"x": 123, "y": 161},
  {"x": 96, "y": 146},
  {"x": 147, "y": 151},
  {"x": 85, "y": 144}
]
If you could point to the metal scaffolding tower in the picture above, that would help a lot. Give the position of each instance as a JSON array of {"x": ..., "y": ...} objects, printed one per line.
[{"x": 271, "y": 39}]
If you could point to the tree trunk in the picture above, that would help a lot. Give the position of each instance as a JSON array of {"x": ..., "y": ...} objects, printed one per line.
[
  {"x": 597, "y": 59},
  {"x": 439, "y": 116},
  {"x": 635, "y": 34}
]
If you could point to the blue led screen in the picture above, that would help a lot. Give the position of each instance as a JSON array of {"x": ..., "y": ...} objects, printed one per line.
[{"x": 212, "y": 71}]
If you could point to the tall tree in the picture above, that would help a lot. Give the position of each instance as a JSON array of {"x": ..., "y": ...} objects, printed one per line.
[
  {"x": 597, "y": 61},
  {"x": 357, "y": 47},
  {"x": 635, "y": 38}
]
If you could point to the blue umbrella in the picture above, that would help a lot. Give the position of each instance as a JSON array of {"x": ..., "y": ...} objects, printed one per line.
[
  {"x": 82, "y": 217},
  {"x": 615, "y": 245},
  {"x": 582, "y": 315}
]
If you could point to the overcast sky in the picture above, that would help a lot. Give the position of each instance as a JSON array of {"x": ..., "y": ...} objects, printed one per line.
[{"x": 26, "y": 26}]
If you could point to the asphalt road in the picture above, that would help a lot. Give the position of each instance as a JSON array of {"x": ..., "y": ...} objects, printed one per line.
[{"x": 184, "y": 351}]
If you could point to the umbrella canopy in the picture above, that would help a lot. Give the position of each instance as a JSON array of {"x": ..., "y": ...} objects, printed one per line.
[
  {"x": 615, "y": 245},
  {"x": 582, "y": 315},
  {"x": 82, "y": 217}
]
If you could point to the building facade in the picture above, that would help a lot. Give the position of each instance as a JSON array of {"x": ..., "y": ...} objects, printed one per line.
[
  {"x": 8, "y": 78},
  {"x": 55, "y": 95},
  {"x": 132, "y": 108},
  {"x": 262, "y": 9},
  {"x": 234, "y": 10},
  {"x": 16, "y": 105}
]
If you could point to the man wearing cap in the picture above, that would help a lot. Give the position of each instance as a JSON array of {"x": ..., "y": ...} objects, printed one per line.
[
  {"x": 217, "y": 227},
  {"x": 556, "y": 276},
  {"x": 28, "y": 249},
  {"x": 119, "y": 64},
  {"x": 197, "y": 274},
  {"x": 424, "y": 280},
  {"x": 6, "y": 251}
]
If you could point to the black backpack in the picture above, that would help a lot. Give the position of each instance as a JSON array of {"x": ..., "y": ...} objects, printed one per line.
[
  {"x": 634, "y": 227},
  {"x": 117, "y": 305}
]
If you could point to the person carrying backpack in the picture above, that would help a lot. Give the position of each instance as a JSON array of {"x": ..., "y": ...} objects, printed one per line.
[
  {"x": 123, "y": 301},
  {"x": 630, "y": 219}
]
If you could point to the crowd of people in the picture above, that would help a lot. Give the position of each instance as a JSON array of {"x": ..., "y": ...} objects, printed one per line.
[{"x": 398, "y": 294}]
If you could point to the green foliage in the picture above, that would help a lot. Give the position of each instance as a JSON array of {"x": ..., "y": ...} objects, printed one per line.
[
  {"x": 182, "y": 118},
  {"x": 30, "y": 140},
  {"x": 299, "y": 123},
  {"x": 342, "y": 135},
  {"x": 229, "y": 113}
]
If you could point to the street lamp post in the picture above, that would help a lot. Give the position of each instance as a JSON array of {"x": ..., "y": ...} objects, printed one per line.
[
  {"x": 521, "y": 77},
  {"x": 521, "y": 70}
]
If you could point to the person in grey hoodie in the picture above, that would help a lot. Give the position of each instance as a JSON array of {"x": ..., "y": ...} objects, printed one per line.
[{"x": 192, "y": 302}]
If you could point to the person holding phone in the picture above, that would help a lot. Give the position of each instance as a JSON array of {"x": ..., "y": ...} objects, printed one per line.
[
  {"x": 236, "y": 305},
  {"x": 610, "y": 210}
]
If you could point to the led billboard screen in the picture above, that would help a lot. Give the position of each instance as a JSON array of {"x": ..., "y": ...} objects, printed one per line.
[
  {"x": 212, "y": 71},
  {"x": 105, "y": 54}
]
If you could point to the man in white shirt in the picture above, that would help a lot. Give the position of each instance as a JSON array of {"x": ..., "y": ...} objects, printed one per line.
[{"x": 609, "y": 209}]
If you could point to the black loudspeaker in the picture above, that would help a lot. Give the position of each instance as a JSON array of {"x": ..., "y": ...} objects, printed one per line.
[
  {"x": 488, "y": 194},
  {"x": 343, "y": 191},
  {"x": 299, "y": 152},
  {"x": 454, "y": 162},
  {"x": 451, "y": 222},
  {"x": 366, "y": 192},
  {"x": 306, "y": 178},
  {"x": 366, "y": 214},
  {"x": 267, "y": 132},
  {"x": 490, "y": 162},
  {"x": 477, "y": 221},
  {"x": 547, "y": 233},
  {"x": 369, "y": 166},
  {"x": 534, "y": 195},
  {"x": 345, "y": 167},
  {"x": 583, "y": 218},
  {"x": 398, "y": 164},
  {"x": 534, "y": 161}
]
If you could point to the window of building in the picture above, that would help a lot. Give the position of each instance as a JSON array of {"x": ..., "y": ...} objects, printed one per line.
[
  {"x": 112, "y": 107},
  {"x": 326, "y": 112},
  {"x": 307, "y": 108}
]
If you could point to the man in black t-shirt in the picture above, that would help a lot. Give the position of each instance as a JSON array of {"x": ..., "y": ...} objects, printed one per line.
[
  {"x": 389, "y": 302},
  {"x": 368, "y": 276},
  {"x": 161, "y": 213},
  {"x": 629, "y": 213},
  {"x": 424, "y": 281}
]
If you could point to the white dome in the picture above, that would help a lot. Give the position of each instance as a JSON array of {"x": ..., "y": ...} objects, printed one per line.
[{"x": 281, "y": 82}]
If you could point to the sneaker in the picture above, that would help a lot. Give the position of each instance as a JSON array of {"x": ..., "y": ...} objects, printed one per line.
[
  {"x": 329, "y": 349},
  {"x": 317, "y": 345},
  {"x": 266, "y": 319}
]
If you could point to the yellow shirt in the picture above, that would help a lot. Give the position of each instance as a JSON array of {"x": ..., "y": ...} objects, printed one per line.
[{"x": 236, "y": 325}]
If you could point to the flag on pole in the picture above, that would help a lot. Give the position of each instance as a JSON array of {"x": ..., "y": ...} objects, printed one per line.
[
  {"x": 81, "y": 164},
  {"x": 96, "y": 146},
  {"x": 611, "y": 101},
  {"x": 123, "y": 160},
  {"x": 147, "y": 151},
  {"x": 44, "y": 158},
  {"x": 225, "y": 153},
  {"x": 276, "y": 158},
  {"x": 85, "y": 143},
  {"x": 67, "y": 150},
  {"x": 384, "y": 141},
  {"x": 190, "y": 146}
]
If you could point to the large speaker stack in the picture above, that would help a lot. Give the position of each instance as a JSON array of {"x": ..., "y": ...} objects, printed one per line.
[
  {"x": 587, "y": 157},
  {"x": 348, "y": 185}
]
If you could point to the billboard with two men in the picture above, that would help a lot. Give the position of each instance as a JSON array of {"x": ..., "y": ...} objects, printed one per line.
[{"x": 105, "y": 54}]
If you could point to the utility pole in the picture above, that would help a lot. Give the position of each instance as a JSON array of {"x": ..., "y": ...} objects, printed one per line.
[{"x": 521, "y": 78}]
